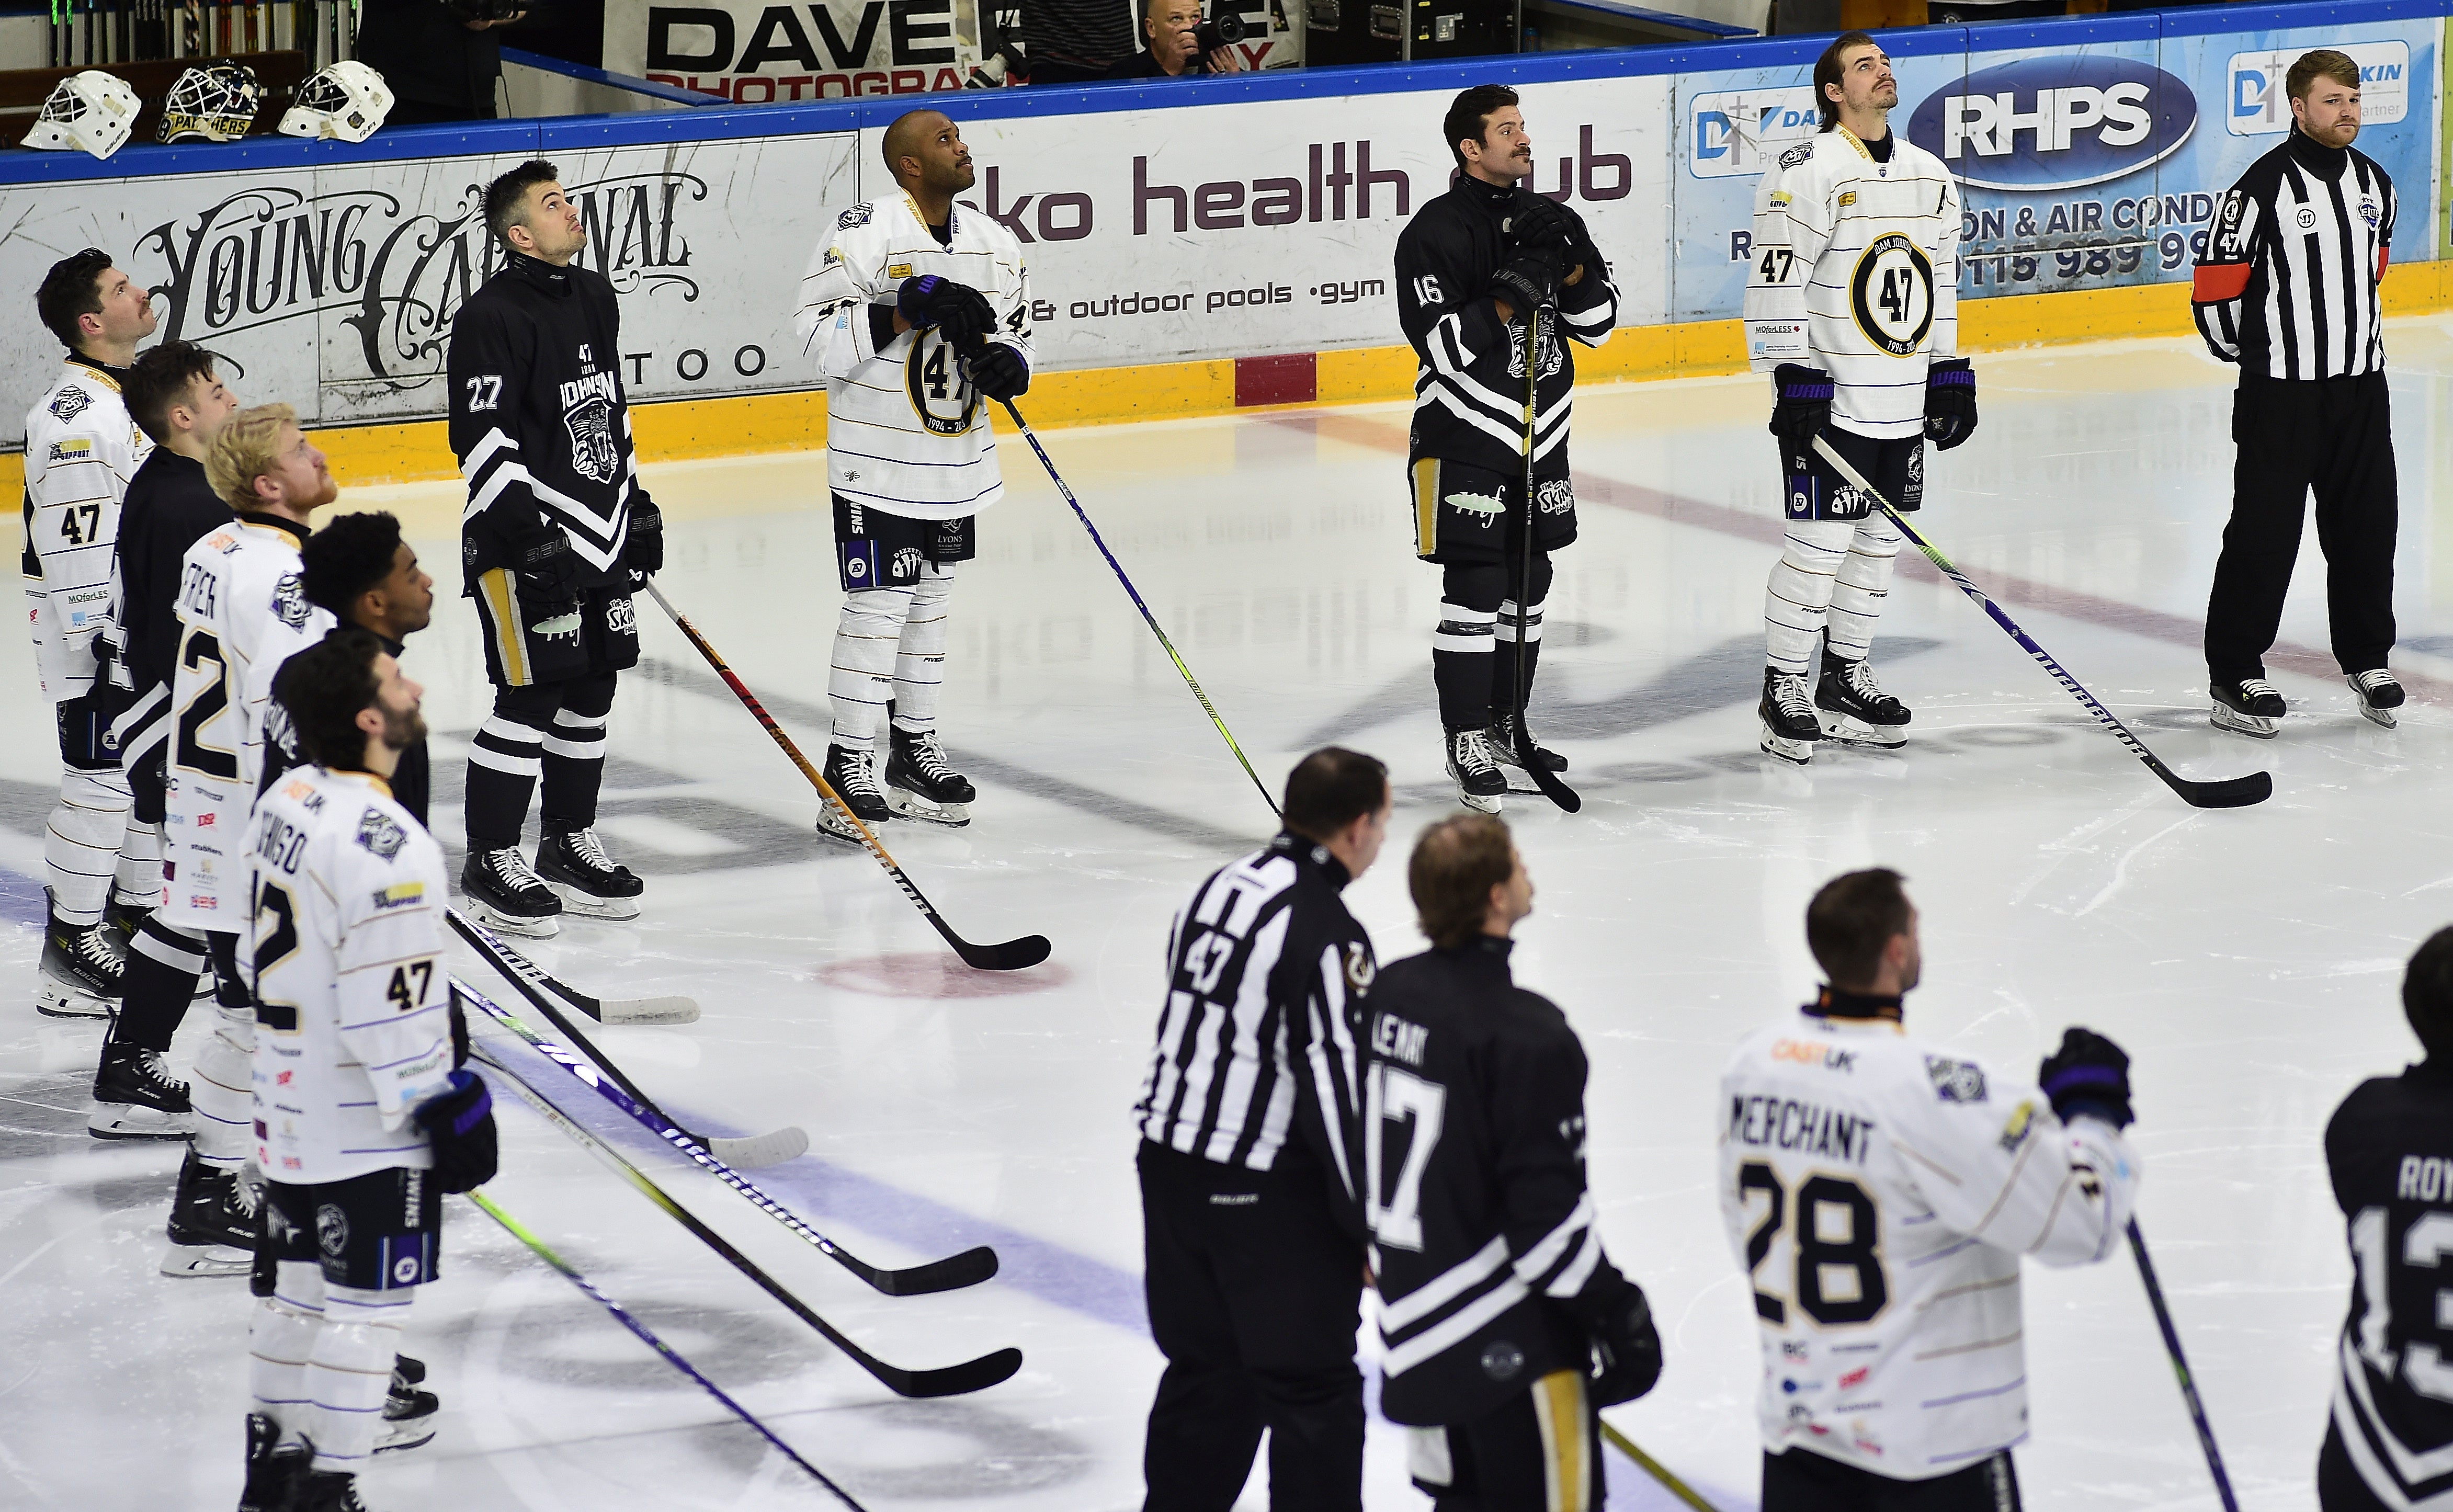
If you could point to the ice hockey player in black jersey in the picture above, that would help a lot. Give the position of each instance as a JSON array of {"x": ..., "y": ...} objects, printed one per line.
[
  {"x": 1252, "y": 1241},
  {"x": 1472, "y": 267},
  {"x": 2389, "y": 1151},
  {"x": 557, "y": 533},
  {"x": 360, "y": 569},
  {"x": 1506, "y": 1326}
]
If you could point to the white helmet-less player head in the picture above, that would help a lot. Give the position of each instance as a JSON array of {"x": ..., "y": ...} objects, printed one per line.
[
  {"x": 91, "y": 111},
  {"x": 217, "y": 103},
  {"x": 348, "y": 100}
]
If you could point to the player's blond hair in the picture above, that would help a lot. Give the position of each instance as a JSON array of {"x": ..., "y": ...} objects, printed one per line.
[
  {"x": 2322, "y": 64},
  {"x": 246, "y": 450}
]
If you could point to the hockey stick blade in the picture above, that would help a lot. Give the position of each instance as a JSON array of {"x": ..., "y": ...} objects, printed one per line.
[
  {"x": 618, "y": 1011},
  {"x": 750, "y": 1152},
  {"x": 1013, "y": 955},
  {"x": 2232, "y": 792},
  {"x": 966, "y": 1270}
]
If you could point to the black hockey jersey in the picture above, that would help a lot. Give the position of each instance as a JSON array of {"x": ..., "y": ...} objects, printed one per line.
[
  {"x": 170, "y": 507},
  {"x": 1469, "y": 390},
  {"x": 2389, "y": 1150},
  {"x": 538, "y": 417},
  {"x": 1483, "y": 1234}
]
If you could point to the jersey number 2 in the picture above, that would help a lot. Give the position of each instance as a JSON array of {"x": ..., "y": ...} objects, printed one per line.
[
  {"x": 1838, "y": 1276},
  {"x": 1391, "y": 1095},
  {"x": 212, "y": 699}
]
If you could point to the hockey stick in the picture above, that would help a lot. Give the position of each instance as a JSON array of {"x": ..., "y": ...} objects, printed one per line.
[
  {"x": 968, "y": 1268},
  {"x": 1653, "y": 1467},
  {"x": 621, "y": 1012},
  {"x": 1555, "y": 790},
  {"x": 752, "y": 1153},
  {"x": 1013, "y": 955},
  {"x": 1147, "y": 618},
  {"x": 671, "y": 1356},
  {"x": 2181, "y": 1368},
  {"x": 2231, "y": 792},
  {"x": 951, "y": 1380}
]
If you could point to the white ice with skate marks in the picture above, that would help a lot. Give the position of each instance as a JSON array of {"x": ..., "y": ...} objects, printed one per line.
[{"x": 2248, "y": 959}]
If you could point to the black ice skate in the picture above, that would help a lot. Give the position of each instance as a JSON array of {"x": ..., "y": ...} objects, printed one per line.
[
  {"x": 508, "y": 896},
  {"x": 407, "y": 1418},
  {"x": 136, "y": 1098},
  {"x": 587, "y": 880},
  {"x": 83, "y": 972},
  {"x": 1789, "y": 726},
  {"x": 921, "y": 784},
  {"x": 853, "y": 776},
  {"x": 1479, "y": 782},
  {"x": 2252, "y": 708},
  {"x": 1506, "y": 747},
  {"x": 1853, "y": 708},
  {"x": 2380, "y": 695},
  {"x": 272, "y": 1474},
  {"x": 213, "y": 1220},
  {"x": 327, "y": 1491}
]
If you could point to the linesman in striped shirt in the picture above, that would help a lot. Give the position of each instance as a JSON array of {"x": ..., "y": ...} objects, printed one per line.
[
  {"x": 2288, "y": 290},
  {"x": 1253, "y": 1241}
]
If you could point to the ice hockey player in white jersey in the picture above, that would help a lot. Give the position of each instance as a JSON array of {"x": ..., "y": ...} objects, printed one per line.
[
  {"x": 917, "y": 311},
  {"x": 1852, "y": 307},
  {"x": 1880, "y": 1192},
  {"x": 363, "y": 1119},
  {"x": 81, "y": 450},
  {"x": 242, "y": 612}
]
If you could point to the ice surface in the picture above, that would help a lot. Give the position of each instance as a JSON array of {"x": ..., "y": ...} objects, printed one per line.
[{"x": 2248, "y": 959}]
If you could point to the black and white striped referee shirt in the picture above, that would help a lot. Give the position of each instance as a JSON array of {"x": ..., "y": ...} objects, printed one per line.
[
  {"x": 1257, "y": 1042},
  {"x": 2289, "y": 285}
]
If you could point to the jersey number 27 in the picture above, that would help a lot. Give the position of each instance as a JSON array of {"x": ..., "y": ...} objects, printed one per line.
[{"x": 1393, "y": 1095}]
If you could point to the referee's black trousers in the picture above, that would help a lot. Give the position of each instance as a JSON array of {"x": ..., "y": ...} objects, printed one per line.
[
  {"x": 1254, "y": 1298},
  {"x": 2334, "y": 435}
]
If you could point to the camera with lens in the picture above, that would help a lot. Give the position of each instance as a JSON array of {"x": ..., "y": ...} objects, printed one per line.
[{"x": 1224, "y": 30}]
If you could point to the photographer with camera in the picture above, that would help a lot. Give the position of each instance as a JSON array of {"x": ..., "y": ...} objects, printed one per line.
[
  {"x": 1182, "y": 45},
  {"x": 442, "y": 58}
]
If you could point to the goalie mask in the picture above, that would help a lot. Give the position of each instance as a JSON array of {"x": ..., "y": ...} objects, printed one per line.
[
  {"x": 348, "y": 100},
  {"x": 91, "y": 111},
  {"x": 213, "y": 104}
]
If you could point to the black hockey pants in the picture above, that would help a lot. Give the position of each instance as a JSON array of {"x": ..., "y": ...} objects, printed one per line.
[
  {"x": 2334, "y": 435},
  {"x": 1254, "y": 1298},
  {"x": 1801, "y": 1481}
]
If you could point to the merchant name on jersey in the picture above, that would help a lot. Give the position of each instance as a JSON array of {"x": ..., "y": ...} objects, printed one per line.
[{"x": 1806, "y": 1128}]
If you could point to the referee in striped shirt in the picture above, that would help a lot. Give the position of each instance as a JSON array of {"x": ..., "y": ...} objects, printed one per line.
[
  {"x": 1252, "y": 1236},
  {"x": 2288, "y": 290}
]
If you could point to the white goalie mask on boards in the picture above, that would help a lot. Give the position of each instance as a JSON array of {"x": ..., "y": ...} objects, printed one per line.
[
  {"x": 347, "y": 101},
  {"x": 93, "y": 112}
]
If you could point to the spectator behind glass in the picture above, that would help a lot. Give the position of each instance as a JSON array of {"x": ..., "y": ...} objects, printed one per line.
[
  {"x": 441, "y": 57},
  {"x": 1073, "y": 41},
  {"x": 1169, "y": 26}
]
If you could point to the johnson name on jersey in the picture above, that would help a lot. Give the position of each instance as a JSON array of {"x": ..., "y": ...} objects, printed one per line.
[
  {"x": 81, "y": 449},
  {"x": 242, "y": 613},
  {"x": 1879, "y": 1192},
  {"x": 1856, "y": 272},
  {"x": 905, "y": 431},
  {"x": 353, "y": 990}
]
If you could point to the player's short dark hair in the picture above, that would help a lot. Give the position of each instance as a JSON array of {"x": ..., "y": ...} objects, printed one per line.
[
  {"x": 1331, "y": 788},
  {"x": 324, "y": 687},
  {"x": 347, "y": 557},
  {"x": 2324, "y": 63},
  {"x": 1469, "y": 117},
  {"x": 2427, "y": 994},
  {"x": 1455, "y": 865},
  {"x": 1826, "y": 71},
  {"x": 73, "y": 288},
  {"x": 506, "y": 198},
  {"x": 160, "y": 379},
  {"x": 1852, "y": 920}
]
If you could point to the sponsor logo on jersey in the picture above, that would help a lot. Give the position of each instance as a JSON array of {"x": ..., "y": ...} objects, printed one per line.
[
  {"x": 1234, "y": 1199},
  {"x": 377, "y": 832},
  {"x": 2369, "y": 212},
  {"x": 289, "y": 604},
  {"x": 906, "y": 562},
  {"x": 70, "y": 401},
  {"x": 204, "y": 900},
  {"x": 207, "y": 821},
  {"x": 292, "y": 1162},
  {"x": 399, "y": 895},
  {"x": 299, "y": 790},
  {"x": 1796, "y": 1349},
  {"x": 589, "y": 425},
  {"x": 332, "y": 1229},
  {"x": 1556, "y": 496},
  {"x": 621, "y": 616},
  {"x": 1955, "y": 1080},
  {"x": 1798, "y": 154},
  {"x": 1782, "y": 199},
  {"x": 2056, "y": 122},
  {"x": 282, "y": 1080},
  {"x": 857, "y": 215},
  {"x": 78, "y": 451},
  {"x": 2021, "y": 1125},
  {"x": 1890, "y": 292},
  {"x": 404, "y": 1270},
  {"x": 2308, "y": 218},
  {"x": 1489, "y": 506},
  {"x": 561, "y": 627},
  {"x": 1809, "y": 1052},
  {"x": 2259, "y": 104},
  {"x": 898, "y": 270},
  {"x": 1847, "y": 199}
]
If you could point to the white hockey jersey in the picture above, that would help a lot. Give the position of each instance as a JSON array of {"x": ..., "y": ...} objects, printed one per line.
[
  {"x": 352, "y": 1020},
  {"x": 905, "y": 431},
  {"x": 242, "y": 612},
  {"x": 1879, "y": 1193},
  {"x": 1856, "y": 272},
  {"x": 81, "y": 449}
]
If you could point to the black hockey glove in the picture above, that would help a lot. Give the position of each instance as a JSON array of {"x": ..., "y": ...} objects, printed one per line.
[
  {"x": 960, "y": 312},
  {"x": 460, "y": 1125},
  {"x": 998, "y": 370},
  {"x": 1801, "y": 406},
  {"x": 1949, "y": 402},
  {"x": 1627, "y": 1351},
  {"x": 1529, "y": 279},
  {"x": 1536, "y": 220},
  {"x": 643, "y": 550},
  {"x": 2088, "y": 1074},
  {"x": 548, "y": 571}
]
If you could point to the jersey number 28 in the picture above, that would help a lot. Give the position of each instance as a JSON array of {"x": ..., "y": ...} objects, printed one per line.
[{"x": 1838, "y": 1274}]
